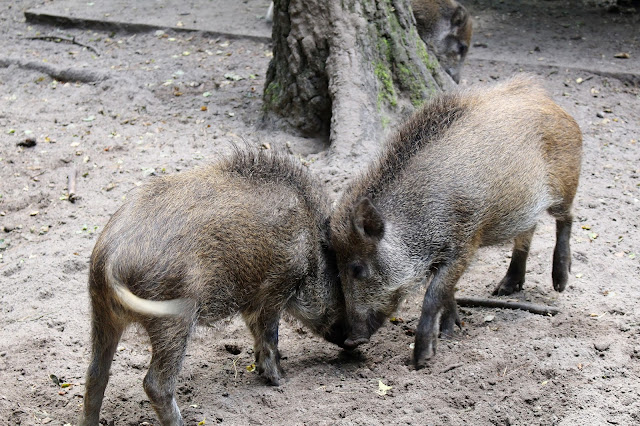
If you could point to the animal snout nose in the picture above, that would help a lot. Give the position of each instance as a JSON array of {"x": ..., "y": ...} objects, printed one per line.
[{"x": 354, "y": 342}]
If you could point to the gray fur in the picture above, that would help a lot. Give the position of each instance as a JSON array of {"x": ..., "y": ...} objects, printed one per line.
[
  {"x": 470, "y": 169},
  {"x": 245, "y": 235}
]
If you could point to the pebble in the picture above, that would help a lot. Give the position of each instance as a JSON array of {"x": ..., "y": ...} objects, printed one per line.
[
  {"x": 600, "y": 114},
  {"x": 489, "y": 318},
  {"x": 602, "y": 346}
]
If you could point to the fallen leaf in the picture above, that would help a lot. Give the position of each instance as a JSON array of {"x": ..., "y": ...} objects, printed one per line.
[
  {"x": 251, "y": 368},
  {"x": 382, "y": 388},
  {"x": 202, "y": 422},
  {"x": 233, "y": 77},
  {"x": 593, "y": 235},
  {"x": 586, "y": 227}
]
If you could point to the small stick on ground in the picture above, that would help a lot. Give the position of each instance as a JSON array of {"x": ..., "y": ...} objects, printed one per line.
[
  {"x": 71, "y": 184},
  {"x": 451, "y": 367},
  {"x": 504, "y": 304},
  {"x": 58, "y": 39}
]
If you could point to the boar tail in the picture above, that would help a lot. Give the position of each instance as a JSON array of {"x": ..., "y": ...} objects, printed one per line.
[{"x": 156, "y": 308}]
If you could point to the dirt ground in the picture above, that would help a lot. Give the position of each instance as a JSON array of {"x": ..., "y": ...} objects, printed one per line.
[{"x": 162, "y": 102}]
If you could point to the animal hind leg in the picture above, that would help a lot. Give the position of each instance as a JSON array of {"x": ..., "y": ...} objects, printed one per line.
[
  {"x": 562, "y": 252},
  {"x": 105, "y": 335},
  {"x": 169, "y": 343},
  {"x": 515, "y": 276}
]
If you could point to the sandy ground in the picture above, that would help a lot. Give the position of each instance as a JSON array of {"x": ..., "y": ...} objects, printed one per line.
[{"x": 171, "y": 101}]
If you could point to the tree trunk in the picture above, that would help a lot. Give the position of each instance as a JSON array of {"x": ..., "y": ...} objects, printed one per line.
[{"x": 344, "y": 70}]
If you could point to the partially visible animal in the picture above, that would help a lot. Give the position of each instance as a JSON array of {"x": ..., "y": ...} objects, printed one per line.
[
  {"x": 245, "y": 235},
  {"x": 445, "y": 26},
  {"x": 469, "y": 169}
]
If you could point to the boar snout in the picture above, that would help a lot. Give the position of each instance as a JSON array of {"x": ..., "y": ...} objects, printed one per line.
[
  {"x": 358, "y": 334},
  {"x": 354, "y": 342},
  {"x": 362, "y": 328}
]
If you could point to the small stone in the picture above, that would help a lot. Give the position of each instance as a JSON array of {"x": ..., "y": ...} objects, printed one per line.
[
  {"x": 602, "y": 346},
  {"x": 489, "y": 318},
  {"x": 600, "y": 114}
]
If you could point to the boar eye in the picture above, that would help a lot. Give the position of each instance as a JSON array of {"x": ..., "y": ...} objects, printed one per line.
[{"x": 357, "y": 271}]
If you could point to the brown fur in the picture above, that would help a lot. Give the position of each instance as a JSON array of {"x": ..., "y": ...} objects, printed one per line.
[
  {"x": 470, "y": 169},
  {"x": 247, "y": 235},
  {"x": 445, "y": 26}
]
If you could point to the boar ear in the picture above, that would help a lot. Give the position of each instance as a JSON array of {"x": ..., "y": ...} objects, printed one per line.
[
  {"x": 460, "y": 17},
  {"x": 367, "y": 220}
]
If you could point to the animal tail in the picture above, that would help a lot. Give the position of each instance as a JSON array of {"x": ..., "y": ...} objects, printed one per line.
[{"x": 156, "y": 308}]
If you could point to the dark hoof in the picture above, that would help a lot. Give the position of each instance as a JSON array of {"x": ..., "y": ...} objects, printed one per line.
[
  {"x": 423, "y": 353},
  {"x": 560, "y": 281},
  {"x": 447, "y": 326},
  {"x": 422, "y": 361},
  {"x": 508, "y": 286}
]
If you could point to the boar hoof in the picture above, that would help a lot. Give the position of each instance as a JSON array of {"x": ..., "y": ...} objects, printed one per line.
[
  {"x": 508, "y": 286},
  {"x": 447, "y": 325},
  {"x": 421, "y": 356},
  {"x": 423, "y": 361},
  {"x": 273, "y": 379},
  {"x": 559, "y": 278}
]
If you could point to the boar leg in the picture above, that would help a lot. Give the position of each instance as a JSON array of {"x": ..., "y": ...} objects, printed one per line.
[
  {"x": 437, "y": 306},
  {"x": 562, "y": 253},
  {"x": 514, "y": 279},
  {"x": 264, "y": 327},
  {"x": 449, "y": 319},
  {"x": 169, "y": 343},
  {"x": 105, "y": 335}
]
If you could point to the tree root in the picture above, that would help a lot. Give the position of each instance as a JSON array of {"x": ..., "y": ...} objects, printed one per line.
[
  {"x": 504, "y": 304},
  {"x": 60, "y": 74},
  {"x": 72, "y": 40}
]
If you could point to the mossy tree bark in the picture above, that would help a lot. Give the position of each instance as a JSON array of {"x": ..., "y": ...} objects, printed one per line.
[{"x": 346, "y": 69}]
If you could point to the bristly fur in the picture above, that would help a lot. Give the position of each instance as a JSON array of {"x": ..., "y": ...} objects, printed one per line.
[
  {"x": 277, "y": 167},
  {"x": 421, "y": 128}
]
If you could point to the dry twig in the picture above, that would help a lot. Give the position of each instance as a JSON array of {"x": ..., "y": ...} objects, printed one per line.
[
  {"x": 505, "y": 304},
  {"x": 58, "y": 39}
]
